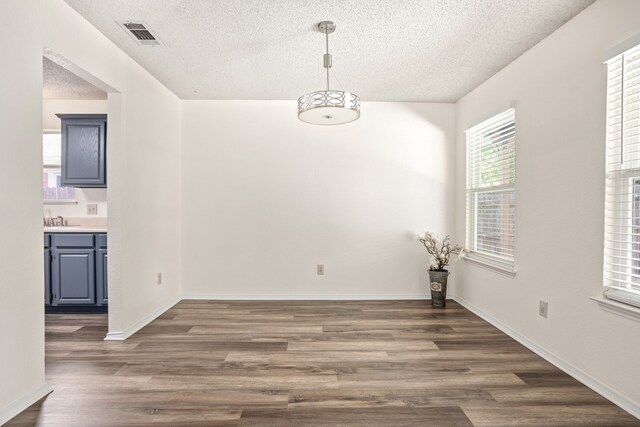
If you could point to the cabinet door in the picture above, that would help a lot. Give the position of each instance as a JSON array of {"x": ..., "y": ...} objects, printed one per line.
[
  {"x": 73, "y": 276},
  {"x": 101, "y": 285},
  {"x": 47, "y": 277},
  {"x": 84, "y": 152}
]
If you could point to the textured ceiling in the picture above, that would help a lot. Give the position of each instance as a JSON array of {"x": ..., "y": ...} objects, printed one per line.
[
  {"x": 383, "y": 50},
  {"x": 59, "y": 83}
]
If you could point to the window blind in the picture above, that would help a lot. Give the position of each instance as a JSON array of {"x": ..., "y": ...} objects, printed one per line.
[
  {"x": 491, "y": 190},
  {"x": 622, "y": 198}
]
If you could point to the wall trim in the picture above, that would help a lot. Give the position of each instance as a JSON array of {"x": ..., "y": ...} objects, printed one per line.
[
  {"x": 123, "y": 335},
  {"x": 615, "y": 307},
  {"x": 621, "y": 47},
  {"x": 22, "y": 403},
  {"x": 605, "y": 391},
  {"x": 272, "y": 297}
]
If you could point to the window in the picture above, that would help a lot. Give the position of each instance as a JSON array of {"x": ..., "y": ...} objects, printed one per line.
[
  {"x": 52, "y": 191},
  {"x": 622, "y": 198},
  {"x": 491, "y": 191}
]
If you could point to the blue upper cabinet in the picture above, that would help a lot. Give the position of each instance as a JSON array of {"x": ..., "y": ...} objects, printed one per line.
[{"x": 84, "y": 150}]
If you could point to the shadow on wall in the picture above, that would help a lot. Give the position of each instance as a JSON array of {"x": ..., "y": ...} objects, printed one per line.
[{"x": 283, "y": 196}]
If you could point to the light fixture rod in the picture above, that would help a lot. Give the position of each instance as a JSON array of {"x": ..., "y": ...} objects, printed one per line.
[
  {"x": 327, "y": 27},
  {"x": 327, "y": 55}
]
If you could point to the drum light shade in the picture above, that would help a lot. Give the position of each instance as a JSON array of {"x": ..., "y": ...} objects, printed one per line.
[{"x": 331, "y": 107}]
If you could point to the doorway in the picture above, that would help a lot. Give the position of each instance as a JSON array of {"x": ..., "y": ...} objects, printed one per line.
[
  {"x": 74, "y": 189},
  {"x": 80, "y": 120}
]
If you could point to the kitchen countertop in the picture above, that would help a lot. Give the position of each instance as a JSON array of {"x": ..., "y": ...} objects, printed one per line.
[
  {"x": 75, "y": 229},
  {"x": 79, "y": 225}
]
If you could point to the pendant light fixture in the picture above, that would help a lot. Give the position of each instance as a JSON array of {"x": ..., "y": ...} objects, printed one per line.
[{"x": 328, "y": 107}]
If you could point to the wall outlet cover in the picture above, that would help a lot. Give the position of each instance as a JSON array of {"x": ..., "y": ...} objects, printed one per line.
[
  {"x": 543, "y": 309},
  {"x": 159, "y": 278},
  {"x": 320, "y": 269},
  {"x": 92, "y": 209}
]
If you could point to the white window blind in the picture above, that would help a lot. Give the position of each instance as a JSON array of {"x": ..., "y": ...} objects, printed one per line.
[
  {"x": 491, "y": 179},
  {"x": 622, "y": 199}
]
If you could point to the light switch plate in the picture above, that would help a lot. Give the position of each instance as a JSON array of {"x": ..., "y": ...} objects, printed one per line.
[{"x": 92, "y": 209}]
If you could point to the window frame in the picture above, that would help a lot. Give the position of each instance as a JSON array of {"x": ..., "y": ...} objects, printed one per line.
[{"x": 497, "y": 262}]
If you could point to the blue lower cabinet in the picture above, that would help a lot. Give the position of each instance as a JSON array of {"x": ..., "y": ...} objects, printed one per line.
[
  {"x": 73, "y": 276},
  {"x": 47, "y": 277},
  {"x": 75, "y": 272},
  {"x": 101, "y": 284}
]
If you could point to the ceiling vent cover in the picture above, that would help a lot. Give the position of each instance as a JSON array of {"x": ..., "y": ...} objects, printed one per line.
[{"x": 140, "y": 32}]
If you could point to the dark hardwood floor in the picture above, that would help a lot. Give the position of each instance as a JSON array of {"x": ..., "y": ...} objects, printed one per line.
[{"x": 361, "y": 363}]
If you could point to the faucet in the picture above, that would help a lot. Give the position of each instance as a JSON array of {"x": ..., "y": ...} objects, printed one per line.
[{"x": 59, "y": 221}]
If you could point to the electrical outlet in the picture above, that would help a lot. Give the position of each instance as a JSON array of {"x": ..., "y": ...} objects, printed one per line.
[
  {"x": 92, "y": 209},
  {"x": 543, "y": 309},
  {"x": 159, "y": 277},
  {"x": 320, "y": 269}
]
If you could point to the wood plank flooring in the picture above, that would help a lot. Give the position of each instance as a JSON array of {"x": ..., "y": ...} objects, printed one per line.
[{"x": 295, "y": 363}]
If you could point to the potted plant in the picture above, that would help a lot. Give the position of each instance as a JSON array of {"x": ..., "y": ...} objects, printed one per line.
[{"x": 441, "y": 253}]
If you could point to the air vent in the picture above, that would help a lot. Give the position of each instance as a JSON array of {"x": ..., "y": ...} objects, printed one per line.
[{"x": 140, "y": 32}]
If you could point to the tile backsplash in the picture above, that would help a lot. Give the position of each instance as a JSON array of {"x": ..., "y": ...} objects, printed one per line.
[{"x": 84, "y": 196}]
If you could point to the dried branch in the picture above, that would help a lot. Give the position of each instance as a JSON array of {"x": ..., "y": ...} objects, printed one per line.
[{"x": 442, "y": 255}]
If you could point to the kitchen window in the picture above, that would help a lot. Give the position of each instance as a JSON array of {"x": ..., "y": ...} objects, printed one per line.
[
  {"x": 490, "y": 192},
  {"x": 52, "y": 191}
]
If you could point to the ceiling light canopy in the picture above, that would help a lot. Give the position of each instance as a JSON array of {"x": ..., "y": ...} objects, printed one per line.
[{"x": 328, "y": 107}]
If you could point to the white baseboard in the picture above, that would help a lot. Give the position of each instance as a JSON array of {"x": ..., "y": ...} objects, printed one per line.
[
  {"x": 273, "y": 297},
  {"x": 632, "y": 407},
  {"x": 23, "y": 403},
  {"x": 123, "y": 335}
]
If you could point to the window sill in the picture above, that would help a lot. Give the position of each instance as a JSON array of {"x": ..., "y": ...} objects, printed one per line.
[
  {"x": 490, "y": 264},
  {"x": 618, "y": 308},
  {"x": 60, "y": 202}
]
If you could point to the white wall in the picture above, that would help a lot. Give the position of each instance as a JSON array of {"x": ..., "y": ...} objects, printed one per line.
[
  {"x": 144, "y": 218},
  {"x": 559, "y": 88},
  {"x": 50, "y": 122},
  {"x": 143, "y": 162},
  {"x": 51, "y": 107},
  {"x": 267, "y": 197},
  {"x": 21, "y": 274}
]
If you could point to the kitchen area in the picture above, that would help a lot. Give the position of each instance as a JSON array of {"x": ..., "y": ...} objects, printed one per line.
[{"x": 74, "y": 188}]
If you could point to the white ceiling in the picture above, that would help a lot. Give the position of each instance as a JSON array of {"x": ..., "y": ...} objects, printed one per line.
[
  {"x": 59, "y": 83},
  {"x": 383, "y": 50}
]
